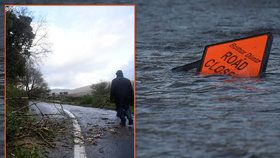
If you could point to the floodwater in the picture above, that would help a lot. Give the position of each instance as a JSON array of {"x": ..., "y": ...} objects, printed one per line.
[{"x": 188, "y": 115}]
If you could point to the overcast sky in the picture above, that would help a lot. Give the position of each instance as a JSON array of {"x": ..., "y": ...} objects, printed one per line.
[{"x": 89, "y": 44}]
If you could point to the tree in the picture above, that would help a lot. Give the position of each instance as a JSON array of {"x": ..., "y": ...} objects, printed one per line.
[
  {"x": 25, "y": 45},
  {"x": 33, "y": 82},
  {"x": 101, "y": 92},
  {"x": 101, "y": 88},
  {"x": 19, "y": 37},
  {"x": 25, "y": 41},
  {"x": 23, "y": 78}
]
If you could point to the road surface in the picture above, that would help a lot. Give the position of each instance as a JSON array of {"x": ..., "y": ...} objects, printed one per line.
[{"x": 102, "y": 135}]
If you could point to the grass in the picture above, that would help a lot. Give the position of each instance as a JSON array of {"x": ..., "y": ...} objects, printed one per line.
[
  {"x": 31, "y": 136},
  {"x": 101, "y": 102},
  {"x": 22, "y": 137},
  {"x": 28, "y": 135}
]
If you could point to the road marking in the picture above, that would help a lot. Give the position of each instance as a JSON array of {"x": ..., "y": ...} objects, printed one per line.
[{"x": 79, "y": 148}]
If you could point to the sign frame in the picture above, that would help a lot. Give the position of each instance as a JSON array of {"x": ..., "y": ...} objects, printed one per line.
[{"x": 265, "y": 55}]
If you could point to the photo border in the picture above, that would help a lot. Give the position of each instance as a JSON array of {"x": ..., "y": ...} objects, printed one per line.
[{"x": 134, "y": 87}]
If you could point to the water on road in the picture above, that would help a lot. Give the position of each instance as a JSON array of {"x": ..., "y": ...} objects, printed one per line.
[
  {"x": 188, "y": 115},
  {"x": 103, "y": 136}
]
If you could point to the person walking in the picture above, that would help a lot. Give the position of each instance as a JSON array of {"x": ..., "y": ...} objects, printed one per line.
[{"x": 123, "y": 96}]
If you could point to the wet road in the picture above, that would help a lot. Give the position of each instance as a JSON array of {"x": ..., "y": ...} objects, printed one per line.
[
  {"x": 187, "y": 115},
  {"x": 103, "y": 137}
]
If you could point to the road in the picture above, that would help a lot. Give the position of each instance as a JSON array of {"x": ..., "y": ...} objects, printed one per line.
[{"x": 103, "y": 136}]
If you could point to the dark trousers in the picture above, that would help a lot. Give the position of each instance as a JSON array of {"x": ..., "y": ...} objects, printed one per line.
[{"x": 124, "y": 112}]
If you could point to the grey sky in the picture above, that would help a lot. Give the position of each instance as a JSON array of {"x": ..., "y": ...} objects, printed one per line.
[{"x": 89, "y": 44}]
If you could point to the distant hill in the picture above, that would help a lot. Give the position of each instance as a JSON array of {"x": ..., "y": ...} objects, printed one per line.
[
  {"x": 77, "y": 91},
  {"x": 74, "y": 92}
]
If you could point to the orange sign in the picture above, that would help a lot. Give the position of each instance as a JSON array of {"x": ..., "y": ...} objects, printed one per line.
[{"x": 246, "y": 57}]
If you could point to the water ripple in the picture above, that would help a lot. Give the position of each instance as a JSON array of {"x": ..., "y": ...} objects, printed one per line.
[{"x": 189, "y": 115}]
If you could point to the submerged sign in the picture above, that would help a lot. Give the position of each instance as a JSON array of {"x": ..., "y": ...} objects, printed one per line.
[{"x": 246, "y": 57}]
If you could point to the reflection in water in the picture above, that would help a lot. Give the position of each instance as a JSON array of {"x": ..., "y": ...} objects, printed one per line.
[{"x": 187, "y": 115}]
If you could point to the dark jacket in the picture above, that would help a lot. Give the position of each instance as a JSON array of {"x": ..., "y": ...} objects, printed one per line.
[{"x": 121, "y": 91}]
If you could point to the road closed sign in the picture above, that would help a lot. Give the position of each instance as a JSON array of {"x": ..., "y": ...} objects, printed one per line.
[{"x": 245, "y": 57}]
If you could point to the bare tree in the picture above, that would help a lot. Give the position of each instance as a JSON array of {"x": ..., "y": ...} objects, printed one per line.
[
  {"x": 27, "y": 42},
  {"x": 41, "y": 46},
  {"x": 33, "y": 82}
]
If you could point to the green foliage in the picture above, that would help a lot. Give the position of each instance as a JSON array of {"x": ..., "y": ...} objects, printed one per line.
[
  {"x": 19, "y": 37},
  {"x": 33, "y": 82},
  {"x": 101, "y": 101},
  {"x": 86, "y": 100},
  {"x": 99, "y": 98},
  {"x": 89, "y": 101},
  {"x": 100, "y": 94},
  {"x": 100, "y": 89},
  {"x": 32, "y": 152},
  {"x": 22, "y": 128},
  {"x": 13, "y": 92},
  {"x": 14, "y": 99},
  {"x": 21, "y": 72},
  {"x": 16, "y": 126}
]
